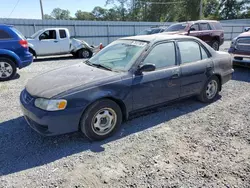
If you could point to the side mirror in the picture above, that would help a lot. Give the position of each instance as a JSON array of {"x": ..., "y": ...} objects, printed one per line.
[
  {"x": 191, "y": 29},
  {"x": 146, "y": 67}
]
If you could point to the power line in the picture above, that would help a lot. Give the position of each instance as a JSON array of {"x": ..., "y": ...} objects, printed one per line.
[{"x": 14, "y": 8}]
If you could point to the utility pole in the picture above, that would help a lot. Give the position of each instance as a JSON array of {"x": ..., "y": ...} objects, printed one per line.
[
  {"x": 201, "y": 4},
  {"x": 41, "y": 5}
]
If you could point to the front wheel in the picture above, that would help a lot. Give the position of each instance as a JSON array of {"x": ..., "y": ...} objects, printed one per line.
[
  {"x": 7, "y": 69},
  {"x": 101, "y": 119},
  {"x": 84, "y": 53},
  {"x": 210, "y": 91}
]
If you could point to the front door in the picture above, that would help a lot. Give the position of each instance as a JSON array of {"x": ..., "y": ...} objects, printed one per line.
[
  {"x": 195, "y": 31},
  {"x": 206, "y": 33},
  {"x": 195, "y": 67},
  {"x": 161, "y": 85},
  {"x": 48, "y": 43}
]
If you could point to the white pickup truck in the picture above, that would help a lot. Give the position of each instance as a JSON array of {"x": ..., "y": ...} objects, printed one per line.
[{"x": 56, "y": 41}]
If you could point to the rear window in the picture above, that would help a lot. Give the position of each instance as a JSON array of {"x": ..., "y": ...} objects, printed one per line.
[
  {"x": 204, "y": 26},
  {"x": 62, "y": 34},
  {"x": 20, "y": 35},
  {"x": 177, "y": 27},
  {"x": 4, "y": 35},
  {"x": 217, "y": 25}
]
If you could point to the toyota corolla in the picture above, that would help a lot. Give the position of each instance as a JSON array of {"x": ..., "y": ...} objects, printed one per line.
[{"x": 129, "y": 75}]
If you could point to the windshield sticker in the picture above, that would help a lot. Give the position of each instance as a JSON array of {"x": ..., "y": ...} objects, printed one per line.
[{"x": 138, "y": 43}]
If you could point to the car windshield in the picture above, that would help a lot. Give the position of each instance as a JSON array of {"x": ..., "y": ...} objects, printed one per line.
[
  {"x": 34, "y": 35},
  {"x": 177, "y": 27},
  {"x": 150, "y": 31},
  {"x": 118, "y": 56}
]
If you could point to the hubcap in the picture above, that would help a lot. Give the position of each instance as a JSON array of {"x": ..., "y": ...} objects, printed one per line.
[
  {"x": 212, "y": 88},
  {"x": 5, "y": 70},
  {"x": 104, "y": 121},
  {"x": 85, "y": 53}
]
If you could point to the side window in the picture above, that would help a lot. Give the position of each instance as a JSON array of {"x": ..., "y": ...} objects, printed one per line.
[
  {"x": 204, "y": 26},
  {"x": 162, "y": 55},
  {"x": 4, "y": 35},
  {"x": 203, "y": 53},
  {"x": 194, "y": 27},
  {"x": 47, "y": 35},
  {"x": 190, "y": 51},
  {"x": 62, "y": 34}
]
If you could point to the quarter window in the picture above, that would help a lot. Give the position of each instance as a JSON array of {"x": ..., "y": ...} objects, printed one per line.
[
  {"x": 203, "y": 53},
  {"x": 62, "y": 34},
  {"x": 204, "y": 26},
  {"x": 4, "y": 35},
  {"x": 162, "y": 55}
]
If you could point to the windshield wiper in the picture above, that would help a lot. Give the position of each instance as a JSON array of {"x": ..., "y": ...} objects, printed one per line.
[{"x": 102, "y": 66}]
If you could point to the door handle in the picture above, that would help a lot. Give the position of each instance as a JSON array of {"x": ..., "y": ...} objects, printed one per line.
[
  {"x": 55, "y": 41},
  {"x": 174, "y": 76}
]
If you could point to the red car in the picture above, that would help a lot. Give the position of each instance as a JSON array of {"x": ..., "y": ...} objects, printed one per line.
[{"x": 210, "y": 31}]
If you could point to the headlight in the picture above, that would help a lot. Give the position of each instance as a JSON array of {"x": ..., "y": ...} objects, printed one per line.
[
  {"x": 233, "y": 42},
  {"x": 51, "y": 105}
]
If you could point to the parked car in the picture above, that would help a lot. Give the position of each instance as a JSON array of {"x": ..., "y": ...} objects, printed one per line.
[
  {"x": 209, "y": 31},
  {"x": 240, "y": 49},
  {"x": 56, "y": 41},
  {"x": 153, "y": 30},
  {"x": 14, "y": 52},
  {"x": 129, "y": 75},
  {"x": 246, "y": 29}
]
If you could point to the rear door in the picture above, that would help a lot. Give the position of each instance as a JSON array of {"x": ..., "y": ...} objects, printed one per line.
[
  {"x": 64, "y": 41},
  {"x": 206, "y": 33},
  {"x": 196, "y": 66},
  {"x": 161, "y": 85}
]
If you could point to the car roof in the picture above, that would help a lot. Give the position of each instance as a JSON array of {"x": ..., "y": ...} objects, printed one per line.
[
  {"x": 157, "y": 37},
  {"x": 5, "y": 25}
]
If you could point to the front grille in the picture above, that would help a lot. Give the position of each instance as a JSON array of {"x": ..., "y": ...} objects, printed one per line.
[
  {"x": 27, "y": 98},
  {"x": 243, "y": 44}
]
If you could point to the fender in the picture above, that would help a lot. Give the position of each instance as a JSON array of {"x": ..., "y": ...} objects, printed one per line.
[{"x": 12, "y": 55}]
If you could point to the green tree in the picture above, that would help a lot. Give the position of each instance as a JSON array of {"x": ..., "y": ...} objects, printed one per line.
[
  {"x": 211, "y": 9},
  {"x": 231, "y": 9},
  {"x": 60, "y": 14},
  {"x": 81, "y": 15},
  {"x": 48, "y": 17},
  {"x": 99, "y": 13}
]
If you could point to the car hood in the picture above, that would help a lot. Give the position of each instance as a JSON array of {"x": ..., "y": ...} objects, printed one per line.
[
  {"x": 52, "y": 83},
  {"x": 174, "y": 33},
  {"x": 245, "y": 34}
]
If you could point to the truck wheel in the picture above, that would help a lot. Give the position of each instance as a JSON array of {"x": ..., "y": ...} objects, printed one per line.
[
  {"x": 7, "y": 69},
  {"x": 84, "y": 53},
  {"x": 215, "y": 45}
]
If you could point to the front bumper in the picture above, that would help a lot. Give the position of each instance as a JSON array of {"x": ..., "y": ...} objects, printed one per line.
[
  {"x": 50, "y": 123},
  {"x": 240, "y": 58}
]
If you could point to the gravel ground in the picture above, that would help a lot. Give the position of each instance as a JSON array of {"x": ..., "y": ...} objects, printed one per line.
[{"x": 185, "y": 144}]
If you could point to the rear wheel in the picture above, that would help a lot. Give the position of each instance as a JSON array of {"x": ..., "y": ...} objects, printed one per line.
[
  {"x": 210, "y": 91},
  {"x": 7, "y": 69},
  {"x": 84, "y": 53},
  {"x": 215, "y": 45},
  {"x": 101, "y": 119}
]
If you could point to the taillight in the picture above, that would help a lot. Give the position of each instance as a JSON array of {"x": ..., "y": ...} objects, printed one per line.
[{"x": 23, "y": 43}]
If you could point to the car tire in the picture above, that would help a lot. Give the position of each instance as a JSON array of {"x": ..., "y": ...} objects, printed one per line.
[
  {"x": 7, "y": 69},
  {"x": 210, "y": 90},
  {"x": 84, "y": 53},
  {"x": 101, "y": 120},
  {"x": 215, "y": 45}
]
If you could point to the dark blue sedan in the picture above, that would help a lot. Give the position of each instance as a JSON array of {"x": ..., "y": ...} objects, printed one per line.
[{"x": 129, "y": 75}]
